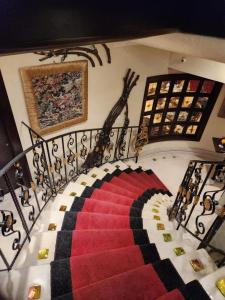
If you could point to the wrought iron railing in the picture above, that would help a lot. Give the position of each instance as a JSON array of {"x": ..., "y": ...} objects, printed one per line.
[
  {"x": 199, "y": 206},
  {"x": 40, "y": 172}
]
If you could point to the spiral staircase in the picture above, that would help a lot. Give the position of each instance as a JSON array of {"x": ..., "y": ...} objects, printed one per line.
[{"x": 107, "y": 235}]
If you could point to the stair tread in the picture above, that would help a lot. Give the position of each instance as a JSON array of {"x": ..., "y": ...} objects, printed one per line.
[
  {"x": 209, "y": 283},
  {"x": 183, "y": 266}
]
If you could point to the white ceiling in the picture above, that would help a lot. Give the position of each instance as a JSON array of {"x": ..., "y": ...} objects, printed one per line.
[{"x": 187, "y": 44}]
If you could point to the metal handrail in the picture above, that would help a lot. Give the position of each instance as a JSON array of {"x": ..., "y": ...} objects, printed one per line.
[
  {"x": 52, "y": 164},
  {"x": 193, "y": 193}
]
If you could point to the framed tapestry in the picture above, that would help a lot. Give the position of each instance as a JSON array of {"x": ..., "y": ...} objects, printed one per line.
[{"x": 56, "y": 95}]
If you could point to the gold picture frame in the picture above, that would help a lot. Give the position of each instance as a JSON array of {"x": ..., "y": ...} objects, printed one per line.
[{"x": 56, "y": 95}]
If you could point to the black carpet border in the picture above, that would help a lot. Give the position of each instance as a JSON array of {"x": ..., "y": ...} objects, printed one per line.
[
  {"x": 63, "y": 244},
  {"x": 140, "y": 236},
  {"x": 64, "y": 297},
  {"x": 61, "y": 282},
  {"x": 194, "y": 291},
  {"x": 149, "y": 253},
  {"x": 78, "y": 204},
  {"x": 168, "y": 274},
  {"x": 69, "y": 220}
]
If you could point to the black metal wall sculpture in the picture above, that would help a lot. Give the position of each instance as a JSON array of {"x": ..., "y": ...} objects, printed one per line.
[
  {"x": 95, "y": 157},
  {"x": 86, "y": 52}
]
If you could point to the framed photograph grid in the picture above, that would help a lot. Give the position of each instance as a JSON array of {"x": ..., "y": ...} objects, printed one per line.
[{"x": 177, "y": 106}]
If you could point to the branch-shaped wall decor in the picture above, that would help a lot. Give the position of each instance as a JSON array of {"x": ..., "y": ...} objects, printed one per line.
[
  {"x": 87, "y": 52},
  {"x": 95, "y": 157}
]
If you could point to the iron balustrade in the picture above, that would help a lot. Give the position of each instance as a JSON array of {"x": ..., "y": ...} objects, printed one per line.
[
  {"x": 52, "y": 164},
  {"x": 197, "y": 207}
]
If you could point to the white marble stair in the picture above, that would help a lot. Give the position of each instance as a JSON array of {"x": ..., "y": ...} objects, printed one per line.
[
  {"x": 96, "y": 173},
  {"x": 183, "y": 266},
  {"x": 29, "y": 255},
  {"x": 15, "y": 284},
  {"x": 209, "y": 283},
  {"x": 131, "y": 164},
  {"x": 28, "y": 270},
  {"x": 108, "y": 168},
  {"x": 120, "y": 165}
]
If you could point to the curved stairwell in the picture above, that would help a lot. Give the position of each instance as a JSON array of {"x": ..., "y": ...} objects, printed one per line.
[{"x": 107, "y": 236}]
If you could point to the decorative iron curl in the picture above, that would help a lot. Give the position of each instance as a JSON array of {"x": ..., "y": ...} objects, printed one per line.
[
  {"x": 208, "y": 204},
  {"x": 188, "y": 191},
  {"x": 24, "y": 194},
  {"x": 25, "y": 197},
  {"x": 71, "y": 155},
  {"x": 83, "y": 150},
  {"x": 57, "y": 163},
  {"x": 87, "y": 52},
  {"x": 7, "y": 229}
]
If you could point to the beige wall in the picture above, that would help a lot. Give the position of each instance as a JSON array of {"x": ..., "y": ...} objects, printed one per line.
[
  {"x": 104, "y": 84},
  {"x": 104, "y": 89}
]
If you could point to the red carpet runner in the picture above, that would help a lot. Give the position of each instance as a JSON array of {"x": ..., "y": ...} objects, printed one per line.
[{"x": 102, "y": 251}]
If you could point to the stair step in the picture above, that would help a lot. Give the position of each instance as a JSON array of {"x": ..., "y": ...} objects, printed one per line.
[
  {"x": 79, "y": 242},
  {"x": 209, "y": 283},
  {"x": 120, "y": 165},
  {"x": 104, "y": 254},
  {"x": 87, "y": 269},
  {"x": 153, "y": 281},
  {"x": 96, "y": 173},
  {"x": 24, "y": 278},
  {"x": 85, "y": 180},
  {"x": 61, "y": 200},
  {"x": 184, "y": 268},
  {"x": 74, "y": 188},
  {"x": 80, "y": 238},
  {"x": 15, "y": 284},
  {"x": 108, "y": 168},
  {"x": 191, "y": 291},
  {"x": 29, "y": 254},
  {"x": 131, "y": 164},
  {"x": 56, "y": 219},
  {"x": 166, "y": 250}
]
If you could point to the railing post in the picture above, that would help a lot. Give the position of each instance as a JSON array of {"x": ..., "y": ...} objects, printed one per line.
[
  {"x": 11, "y": 190},
  {"x": 4, "y": 260},
  {"x": 212, "y": 230},
  {"x": 198, "y": 195},
  {"x": 187, "y": 176}
]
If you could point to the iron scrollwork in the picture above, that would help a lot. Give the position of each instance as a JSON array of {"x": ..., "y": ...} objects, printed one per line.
[
  {"x": 208, "y": 204},
  {"x": 83, "y": 150},
  {"x": 40, "y": 172},
  {"x": 7, "y": 229},
  {"x": 189, "y": 191},
  {"x": 57, "y": 164},
  {"x": 71, "y": 156},
  {"x": 24, "y": 194},
  {"x": 86, "y": 52}
]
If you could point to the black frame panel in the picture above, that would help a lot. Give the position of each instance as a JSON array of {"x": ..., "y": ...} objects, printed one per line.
[{"x": 194, "y": 112}]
